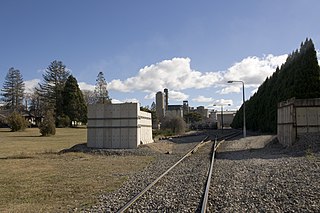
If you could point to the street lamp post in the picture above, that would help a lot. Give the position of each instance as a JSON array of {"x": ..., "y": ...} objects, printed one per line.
[
  {"x": 222, "y": 119},
  {"x": 244, "y": 108}
]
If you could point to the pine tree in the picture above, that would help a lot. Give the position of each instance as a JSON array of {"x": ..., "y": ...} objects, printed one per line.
[
  {"x": 13, "y": 90},
  {"x": 101, "y": 91},
  {"x": 307, "y": 81},
  {"x": 51, "y": 89},
  {"x": 74, "y": 105}
]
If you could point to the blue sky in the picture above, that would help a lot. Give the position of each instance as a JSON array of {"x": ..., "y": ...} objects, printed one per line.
[{"x": 191, "y": 47}]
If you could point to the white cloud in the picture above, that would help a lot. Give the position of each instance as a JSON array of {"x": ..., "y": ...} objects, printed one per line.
[
  {"x": 85, "y": 86},
  {"x": 118, "y": 85},
  {"x": 254, "y": 70},
  {"x": 175, "y": 74},
  {"x": 254, "y": 91},
  {"x": 30, "y": 85},
  {"x": 116, "y": 101},
  {"x": 177, "y": 96},
  {"x": 150, "y": 96},
  {"x": 229, "y": 89},
  {"x": 203, "y": 99}
]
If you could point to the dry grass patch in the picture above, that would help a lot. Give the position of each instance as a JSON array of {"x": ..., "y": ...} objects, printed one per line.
[
  {"x": 35, "y": 180},
  {"x": 30, "y": 141}
]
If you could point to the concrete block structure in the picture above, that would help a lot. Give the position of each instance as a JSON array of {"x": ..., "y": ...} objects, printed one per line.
[
  {"x": 296, "y": 117},
  {"x": 226, "y": 117},
  {"x": 118, "y": 126}
]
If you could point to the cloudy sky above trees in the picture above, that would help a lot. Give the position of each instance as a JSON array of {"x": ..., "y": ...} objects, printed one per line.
[{"x": 190, "y": 47}]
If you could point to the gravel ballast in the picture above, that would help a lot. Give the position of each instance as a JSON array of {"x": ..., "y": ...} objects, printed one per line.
[
  {"x": 250, "y": 175},
  {"x": 181, "y": 188}
]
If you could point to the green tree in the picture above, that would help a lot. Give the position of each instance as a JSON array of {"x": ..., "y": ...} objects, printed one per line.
[
  {"x": 193, "y": 117},
  {"x": 154, "y": 117},
  {"x": 52, "y": 86},
  {"x": 176, "y": 124},
  {"x": 13, "y": 90},
  {"x": 298, "y": 77},
  {"x": 74, "y": 104},
  {"x": 101, "y": 92},
  {"x": 47, "y": 127},
  {"x": 16, "y": 122}
]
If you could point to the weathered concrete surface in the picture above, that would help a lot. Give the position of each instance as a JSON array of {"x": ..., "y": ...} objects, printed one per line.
[
  {"x": 296, "y": 117},
  {"x": 118, "y": 126}
]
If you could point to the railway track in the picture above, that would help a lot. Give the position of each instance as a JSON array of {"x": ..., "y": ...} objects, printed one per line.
[
  {"x": 215, "y": 146},
  {"x": 180, "y": 188}
]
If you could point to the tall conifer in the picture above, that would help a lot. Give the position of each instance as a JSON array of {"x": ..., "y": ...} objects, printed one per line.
[
  {"x": 13, "y": 90},
  {"x": 298, "y": 77},
  {"x": 74, "y": 105},
  {"x": 51, "y": 89}
]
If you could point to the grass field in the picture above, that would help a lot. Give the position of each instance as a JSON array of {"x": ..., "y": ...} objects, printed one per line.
[{"x": 35, "y": 178}]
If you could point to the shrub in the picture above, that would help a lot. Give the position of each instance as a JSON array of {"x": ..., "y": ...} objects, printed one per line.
[
  {"x": 176, "y": 124},
  {"x": 63, "y": 121},
  {"x": 47, "y": 127},
  {"x": 161, "y": 133},
  {"x": 16, "y": 122}
]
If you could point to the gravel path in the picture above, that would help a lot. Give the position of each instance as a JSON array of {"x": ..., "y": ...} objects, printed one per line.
[{"x": 249, "y": 177}]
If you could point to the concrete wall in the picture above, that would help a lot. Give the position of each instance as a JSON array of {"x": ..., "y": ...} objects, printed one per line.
[
  {"x": 286, "y": 123},
  {"x": 118, "y": 126},
  {"x": 145, "y": 125},
  {"x": 296, "y": 117},
  {"x": 228, "y": 117}
]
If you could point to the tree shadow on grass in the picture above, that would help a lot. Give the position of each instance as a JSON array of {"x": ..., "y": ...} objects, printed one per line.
[
  {"x": 16, "y": 157},
  {"x": 25, "y": 136}
]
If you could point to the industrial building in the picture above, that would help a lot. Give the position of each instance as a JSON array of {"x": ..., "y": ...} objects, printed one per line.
[
  {"x": 163, "y": 109},
  {"x": 175, "y": 111},
  {"x": 118, "y": 126},
  {"x": 202, "y": 111},
  {"x": 162, "y": 104}
]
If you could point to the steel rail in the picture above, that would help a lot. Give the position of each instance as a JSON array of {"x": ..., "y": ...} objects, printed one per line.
[
  {"x": 134, "y": 199},
  {"x": 215, "y": 147}
]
